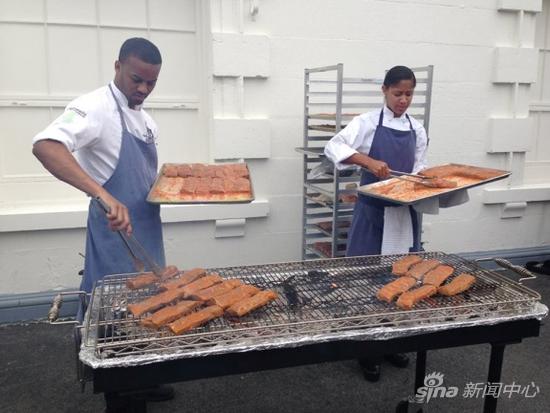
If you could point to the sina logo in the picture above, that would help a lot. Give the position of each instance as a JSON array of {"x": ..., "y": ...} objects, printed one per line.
[{"x": 433, "y": 387}]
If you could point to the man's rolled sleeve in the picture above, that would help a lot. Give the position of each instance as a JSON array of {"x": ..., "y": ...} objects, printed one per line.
[{"x": 75, "y": 129}]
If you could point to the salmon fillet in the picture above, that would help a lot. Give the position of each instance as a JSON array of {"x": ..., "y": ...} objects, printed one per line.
[
  {"x": 401, "y": 266},
  {"x": 170, "y": 171},
  {"x": 210, "y": 171},
  {"x": 189, "y": 185},
  {"x": 418, "y": 270},
  {"x": 184, "y": 170},
  {"x": 203, "y": 282},
  {"x": 228, "y": 185},
  {"x": 408, "y": 299},
  {"x": 240, "y": 170},
  {"x": 438, "y": 275},
  {"x": 169, "y": 314},
  {"x": 186, "y": 278},
  {"x": 238, "y": 294},
  {"x": 217, "y": 289},
  {"x": 171, "y": 186},
  {"x": 457, "y": 285},
  {"x": 155, "y": 302},
  {"x": 141, "y": 280},
  {"x": 195, "y": 319},
  {"x": 396, "y": 287},
  {"x": 198, "y": 170},
  {"x": 169, "y": 271},
  {"x": 217, "y": 186},
  {"x": 245, "y": 306},
  {"x": 148, "y": 278},
  {"x": 242, "y": 185}
]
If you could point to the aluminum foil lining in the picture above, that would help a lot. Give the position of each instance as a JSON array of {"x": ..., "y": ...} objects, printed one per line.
[{"x": 87, "y": 354}]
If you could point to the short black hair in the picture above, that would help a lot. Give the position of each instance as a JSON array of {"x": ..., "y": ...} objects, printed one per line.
[
  {"x": 398, "y": 73},
  {"x": 141, "y": 48}
]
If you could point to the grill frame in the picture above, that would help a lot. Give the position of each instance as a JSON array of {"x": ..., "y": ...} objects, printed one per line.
[{"x": 111, "y": 333}]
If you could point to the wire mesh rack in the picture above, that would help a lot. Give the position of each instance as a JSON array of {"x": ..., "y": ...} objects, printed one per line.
[{"x": 315, "y": 297}]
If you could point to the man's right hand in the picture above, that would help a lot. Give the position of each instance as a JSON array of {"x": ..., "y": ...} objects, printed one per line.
[
  {"x": 379, "y": 168},
  {"x": 119, "y": 217}
]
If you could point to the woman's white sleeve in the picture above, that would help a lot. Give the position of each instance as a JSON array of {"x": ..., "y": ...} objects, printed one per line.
[{"x": 345, "y": 143}]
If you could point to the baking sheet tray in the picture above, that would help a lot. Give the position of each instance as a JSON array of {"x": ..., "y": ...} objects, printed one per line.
[
  {"x": 194, "y": 199},
  {"x": 423, "y": 193}
]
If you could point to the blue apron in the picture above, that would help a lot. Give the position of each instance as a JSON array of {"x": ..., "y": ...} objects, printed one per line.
[
  {"x": 130, "y": 183},
  {"x": 397, "y": 148}
]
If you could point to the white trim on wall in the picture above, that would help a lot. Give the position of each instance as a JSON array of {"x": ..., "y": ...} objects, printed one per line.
[{"x": 53, "y": 217}]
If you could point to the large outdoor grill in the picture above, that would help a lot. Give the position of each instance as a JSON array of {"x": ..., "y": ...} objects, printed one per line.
[{"x": 321, "y": 302}]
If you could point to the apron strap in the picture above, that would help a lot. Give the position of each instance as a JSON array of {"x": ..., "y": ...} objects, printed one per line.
[
  {"x": 381, "y": 119},
  {"x": 409, "y": 119},
  {"x": 122, "y": 122}
]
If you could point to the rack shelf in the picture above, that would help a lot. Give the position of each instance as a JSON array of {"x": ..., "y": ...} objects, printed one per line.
[{"x": 327, "y": 95}]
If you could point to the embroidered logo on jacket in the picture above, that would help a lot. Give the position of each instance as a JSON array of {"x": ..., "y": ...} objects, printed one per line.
[
  {"x": 78, "y": 111},
  {"x": 149, "y": 137}
]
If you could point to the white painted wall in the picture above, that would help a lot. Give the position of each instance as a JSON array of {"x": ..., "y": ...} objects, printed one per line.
[{"x": 240, "y": 77}]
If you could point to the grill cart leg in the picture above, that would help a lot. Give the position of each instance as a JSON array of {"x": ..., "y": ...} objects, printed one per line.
[
  {"x": 420, "y": 373},
  {"x": 495, "y": 369},
  {"x": 420, "y": 370}
]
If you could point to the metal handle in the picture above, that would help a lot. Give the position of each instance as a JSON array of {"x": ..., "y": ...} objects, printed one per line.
[
  {"x": 138, "y": 264},
  {"x": 413, "y": 175},
  {"x": 132, "y": 243},
  {"x": 53, "y": 314},
  {"x": 524, "y": 272},
  {"x": 57, "y": 302},
  {"x": 527, "y": 275}
]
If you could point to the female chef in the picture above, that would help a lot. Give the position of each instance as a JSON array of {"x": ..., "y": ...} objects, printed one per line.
[{"x": 380, "y": 141}]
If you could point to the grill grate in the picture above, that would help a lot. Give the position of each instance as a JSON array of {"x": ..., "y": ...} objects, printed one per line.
[{"x": 315, "y": 297}]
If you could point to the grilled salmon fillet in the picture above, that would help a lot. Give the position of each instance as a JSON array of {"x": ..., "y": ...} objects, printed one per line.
[
  {"x": 169, "y": 314},
  {"x": 401, "y": 266},
  {"x": 238, "y": 294},
  {"x": 418, "y": 270},
  {"x": 148, "y": 278},
  {"x": 203, "y": 282},
  {"x": 195, "y": 319},
  {"x": 438, "y": 275},
  {"x": 155, "y": 302},
  {"x": 396, "y": 287},
  {"x": 245, "y": 306},
  {"x": 408, "y": 299},
  {"x": 141, "y": 280},
  {"x": 457, "y": 285},
  {"x": 186, "y": 278},
  {"x": 217, "y": 289}
]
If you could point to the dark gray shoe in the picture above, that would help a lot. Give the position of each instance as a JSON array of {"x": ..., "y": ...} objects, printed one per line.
[{"x": 370, "y": 369}]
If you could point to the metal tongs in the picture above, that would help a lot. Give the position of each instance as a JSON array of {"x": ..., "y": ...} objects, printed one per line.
[
  {"x": 423, "y": 180},
  {"x": 133, "y": 246}
]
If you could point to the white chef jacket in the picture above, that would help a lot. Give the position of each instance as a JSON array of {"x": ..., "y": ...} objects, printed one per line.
[
  {"x": 90, "y": 129},
  {"x": 357, "y": 137}
]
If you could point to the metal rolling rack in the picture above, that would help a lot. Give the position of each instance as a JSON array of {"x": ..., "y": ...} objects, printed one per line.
[{"x": 330, "y": 101}]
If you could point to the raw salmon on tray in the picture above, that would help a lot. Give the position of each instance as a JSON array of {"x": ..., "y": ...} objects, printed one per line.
[{"x": 202, "y": 183}]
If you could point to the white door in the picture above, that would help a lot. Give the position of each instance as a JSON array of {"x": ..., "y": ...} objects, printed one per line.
[
  {"x": 54, "y": 50},
  {"x": 537, "y": 168}
]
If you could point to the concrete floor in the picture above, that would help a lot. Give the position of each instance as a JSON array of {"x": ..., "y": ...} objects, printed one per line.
[{"x": 38, "y": 375}]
